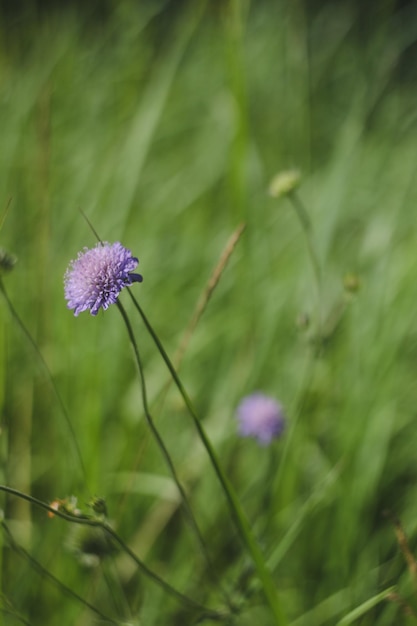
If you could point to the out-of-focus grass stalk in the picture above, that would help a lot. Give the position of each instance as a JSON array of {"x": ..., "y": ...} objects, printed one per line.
[
  {"x": 313, "y": 501},
  {"x": 236, "y": 509},
  {"x": 95, "y": 522},
  {"x": 361, "y": 610}
]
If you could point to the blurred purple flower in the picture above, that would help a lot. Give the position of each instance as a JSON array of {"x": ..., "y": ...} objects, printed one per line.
[
  {"x": 261, "y": 417},
  {"x": 95, "y": 279}
]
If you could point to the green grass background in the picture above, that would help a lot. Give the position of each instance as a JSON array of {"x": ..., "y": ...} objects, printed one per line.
[{"x": 165, "y": 128}]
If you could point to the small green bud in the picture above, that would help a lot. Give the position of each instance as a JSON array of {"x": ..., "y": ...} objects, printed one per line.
[
  {"x": 351, "y": 283},
  {"x": 284, "y": 183}
]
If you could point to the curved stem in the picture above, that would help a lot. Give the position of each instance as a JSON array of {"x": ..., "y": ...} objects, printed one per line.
[
  {"x": 235, "y": 507},
  {"x": 164, "y": 450},
  {"x": 96, "y": 523}
]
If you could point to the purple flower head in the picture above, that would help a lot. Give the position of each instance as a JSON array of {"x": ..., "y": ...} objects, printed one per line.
[
  {"x": 95, "y": 279},
  {"x": 261, "y": 417}
]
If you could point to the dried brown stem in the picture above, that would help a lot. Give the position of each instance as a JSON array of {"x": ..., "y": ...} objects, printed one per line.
[
  {"x": 404, "y": 547},
  {"x": 207, "y": 293}
]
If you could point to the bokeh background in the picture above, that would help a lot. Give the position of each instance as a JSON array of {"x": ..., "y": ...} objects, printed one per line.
[{"x": 164, "y": 122}]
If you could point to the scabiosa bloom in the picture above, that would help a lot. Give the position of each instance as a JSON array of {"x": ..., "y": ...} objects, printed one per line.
[
  {"x": 261, "y": 417},
  {"x": 95, "y": 279}
]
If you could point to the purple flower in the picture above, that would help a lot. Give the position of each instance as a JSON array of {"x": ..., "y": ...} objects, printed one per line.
[
  {"x": 95, "y": 279},
  {"x": 261, "y": 417}
]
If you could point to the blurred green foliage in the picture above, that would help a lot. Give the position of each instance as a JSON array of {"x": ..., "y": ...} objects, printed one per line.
[{"x": 166, "y": 127}]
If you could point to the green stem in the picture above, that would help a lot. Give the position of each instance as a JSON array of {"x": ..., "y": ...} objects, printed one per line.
[
  {"x": 96, "y": 523},
  {"x": 190, "y": 516},
  {"x": 44, "y": 572},
  {"x": 236, "y": 510},
  {"x": 315, "y": 263},
  {"x": 15, "y": 616},
  {"x": 116, "y": 592},
  {"x": 49, "y": 376}
]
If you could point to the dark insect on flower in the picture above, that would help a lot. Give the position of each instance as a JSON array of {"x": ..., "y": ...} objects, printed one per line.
[
  {"x": 260, "y": 417},
  {"x": 94, "y": 280}
]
